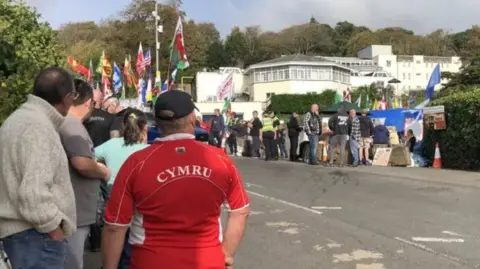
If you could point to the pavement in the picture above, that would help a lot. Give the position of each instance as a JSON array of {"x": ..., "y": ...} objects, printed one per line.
[{"x": 306, "y": 217}]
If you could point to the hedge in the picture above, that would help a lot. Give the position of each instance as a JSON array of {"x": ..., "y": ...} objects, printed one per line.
[
  {"x": 460, "y": 142},
  {"x": 288, "y": 103}
]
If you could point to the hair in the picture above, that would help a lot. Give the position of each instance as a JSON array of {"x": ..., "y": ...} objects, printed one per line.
[
  {"x": 84, "y": 91},
  {"x": 133, "y": 124},
  {"x": 410, "y": 131},
  {"x": 52, "y": 84},
  {"x": 111, "y": 101},
  {"x": 173, "y": 126},
  {"x": 234, "y": 115}
]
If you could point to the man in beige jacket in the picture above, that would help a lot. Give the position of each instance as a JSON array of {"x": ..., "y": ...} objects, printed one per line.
[{"x": 37, "y": 203}]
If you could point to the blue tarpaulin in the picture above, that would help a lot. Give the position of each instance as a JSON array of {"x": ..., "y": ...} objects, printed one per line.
[{"x": 394, "y": 117}]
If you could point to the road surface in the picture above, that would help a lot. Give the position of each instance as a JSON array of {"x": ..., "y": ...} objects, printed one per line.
[{"x": 363, "y": 218}]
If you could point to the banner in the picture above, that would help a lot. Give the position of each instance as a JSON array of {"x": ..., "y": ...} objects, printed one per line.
[
  {"x": 226, "y": 88},
  {"x": 434, "y": 117}
]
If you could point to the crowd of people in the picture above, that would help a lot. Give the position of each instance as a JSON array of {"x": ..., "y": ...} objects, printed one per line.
[
  {"x": 77, "y": 165},
  {"x": 267, "y": 137}
]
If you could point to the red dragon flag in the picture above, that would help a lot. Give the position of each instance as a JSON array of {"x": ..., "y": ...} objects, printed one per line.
[{"x": 178, "y": 57}]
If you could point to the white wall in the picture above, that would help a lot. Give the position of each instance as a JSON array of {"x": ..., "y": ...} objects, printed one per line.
[
  {"x": 303, "y": 87},
  {"x": 239, "y": 107}
]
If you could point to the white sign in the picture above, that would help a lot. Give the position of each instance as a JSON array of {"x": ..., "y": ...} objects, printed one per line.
[{"x": 433, "y": 109}]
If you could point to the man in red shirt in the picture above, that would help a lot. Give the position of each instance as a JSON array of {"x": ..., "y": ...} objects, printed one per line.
[{"x": 170, "y": 195}]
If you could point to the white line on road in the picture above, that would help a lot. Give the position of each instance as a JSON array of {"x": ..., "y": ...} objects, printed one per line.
[
  {"x": 327, "y": 207},
  {"x": 425, "y": 248},
  {"x": 253, "y": 185},
  {"x": 285, "y": 203},
  {"x": 441, "y": 240},
  {"x": 451, "y": 233}
]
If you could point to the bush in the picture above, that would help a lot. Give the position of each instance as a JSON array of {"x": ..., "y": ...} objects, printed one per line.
[
  {"x": 288, "y": 103},
  {"x": 459, "y": 144}
]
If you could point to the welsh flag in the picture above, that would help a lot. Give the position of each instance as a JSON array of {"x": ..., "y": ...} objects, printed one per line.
[
  {"x": 227, "y": 106},
  {"x": 178, "y": 57},
  {"x": 338, "y": 98}
]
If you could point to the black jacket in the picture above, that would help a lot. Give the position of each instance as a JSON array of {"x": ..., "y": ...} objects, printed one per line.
[
  {"x": 366, "y": 126},
  {"x": 293, "y": 128},
  {"x": 338, "y": 123}
]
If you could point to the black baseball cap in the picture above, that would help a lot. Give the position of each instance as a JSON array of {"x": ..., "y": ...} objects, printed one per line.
[{"x": 174, "y": 104}]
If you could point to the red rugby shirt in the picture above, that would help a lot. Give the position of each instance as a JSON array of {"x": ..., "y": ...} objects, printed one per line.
[{"x": 171, "y": 194}]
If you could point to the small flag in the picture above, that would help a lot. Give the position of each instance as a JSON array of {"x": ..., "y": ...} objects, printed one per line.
[
  {"x": 367, "y": 102},
  {"x": 139, "y": 65},
  {"x": 90, "y": 74},
  {"x": 147, "y": 59},
  {"x": 76, "y": 67},
  {"x": 347, "y": 96},
  {"x": 123, "y": 92},
  {"x": 117, "y": 78},
  {"x": 432, "y": 82},
  {"x": 338, "y": 98},
  {"x": 383, "y": 104},
  {"x": 359, "y": 101},
  {"x": 148, "y": 94}
]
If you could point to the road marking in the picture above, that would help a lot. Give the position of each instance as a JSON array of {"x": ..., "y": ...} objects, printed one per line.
[
  {"x": 370, "y": 266},
  {"x": 327, "y": 207},
  {"x": 451, "y": 233},
  {"x": 441, "y": 240},
  {"x": 280, "y": 224},
  {"x": 253, "y": 185},
  {"x": 290, "y": 231},
  {"x": 357, "y": 255},
  {"x": 427, "y": 249},
  {"x": 285, "y": 203}
]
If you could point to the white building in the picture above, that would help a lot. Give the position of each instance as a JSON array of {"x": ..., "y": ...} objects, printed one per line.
[
  {"x": 412, "y": 70},
  {"x": 294, "y": 74}
]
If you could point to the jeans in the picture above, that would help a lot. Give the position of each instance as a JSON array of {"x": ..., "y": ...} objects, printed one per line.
[
  {"x": 283, "y": 150},
  {"x": 313, "y": 143},
  {"x": 354, "y": 150},
  {"x": 33, "y": 250},
  {"x": 76, "y": 248},
  {"x": 338, "y": 140}
]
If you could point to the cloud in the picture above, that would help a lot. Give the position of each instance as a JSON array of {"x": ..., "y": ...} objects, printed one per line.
[{"x": 421, "y": 16}]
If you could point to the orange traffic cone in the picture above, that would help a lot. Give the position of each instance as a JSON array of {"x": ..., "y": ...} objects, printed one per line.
[
  {"x": 437, "y": 161},
  {"x": 324, "y": 153}
]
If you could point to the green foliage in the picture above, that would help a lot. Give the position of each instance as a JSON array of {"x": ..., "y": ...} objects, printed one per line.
[
  {"x": 289, "y": 103},
  {"x": 26, "y": 47},
  {"x": 459, "y": 142}
]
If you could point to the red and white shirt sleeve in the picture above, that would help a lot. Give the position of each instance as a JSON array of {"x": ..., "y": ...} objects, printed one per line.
[
  {"x": 120, "y": 205},
  {"x": 237, "y": 198}
]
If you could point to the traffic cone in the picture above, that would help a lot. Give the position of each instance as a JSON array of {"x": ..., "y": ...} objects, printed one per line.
[
  {"x": 324, "y": 153},
  {"x": 437, "y": 161}
]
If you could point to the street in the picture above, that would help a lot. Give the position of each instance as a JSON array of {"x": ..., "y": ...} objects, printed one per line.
[{"x": 306, "y": 217}]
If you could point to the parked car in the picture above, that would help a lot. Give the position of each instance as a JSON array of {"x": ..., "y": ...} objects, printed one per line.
[{"x": 153, "y": 133}]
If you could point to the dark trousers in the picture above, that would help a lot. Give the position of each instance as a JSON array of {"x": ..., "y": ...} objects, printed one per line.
[
  {"x": 293, "y": 148},
  {"x": 212, "y": 136},
  {"x": 256, "y": 146},
  {"x": 232, "y": 144},
  {"x": 270, "y": 145}
]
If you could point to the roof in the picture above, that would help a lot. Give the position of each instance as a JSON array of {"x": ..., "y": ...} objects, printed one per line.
[{"x": 296, "y": 59}]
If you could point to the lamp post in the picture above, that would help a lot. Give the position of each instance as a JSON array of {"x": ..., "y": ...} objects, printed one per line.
[{"x": 158, "y": 29}]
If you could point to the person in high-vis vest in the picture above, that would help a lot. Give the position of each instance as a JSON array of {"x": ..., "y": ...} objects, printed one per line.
[{"x": 268, "y": 137}]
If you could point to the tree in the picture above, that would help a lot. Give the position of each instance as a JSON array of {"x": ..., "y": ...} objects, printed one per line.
[
  {"x": 236, "y": 47},
  {"x": 217, "y": 56},
  {"x": 26, "y": 47}
]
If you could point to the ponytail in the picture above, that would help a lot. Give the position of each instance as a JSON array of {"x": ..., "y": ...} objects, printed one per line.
[{"x": 134, "y": 123}]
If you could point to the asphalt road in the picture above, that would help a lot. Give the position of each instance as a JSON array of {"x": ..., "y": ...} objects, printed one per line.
[{"x": 363, "y": 218}]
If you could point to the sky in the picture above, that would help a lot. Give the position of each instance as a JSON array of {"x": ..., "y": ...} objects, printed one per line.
[{"x": 421, "y": 16}]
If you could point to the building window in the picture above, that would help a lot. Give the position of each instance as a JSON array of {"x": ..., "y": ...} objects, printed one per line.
[
  {"x": 389, "y": 63},
  {"x": 409, "y": 76},
  {"x": 293, "y": 74},
  {"x": 418, "y": 74},
  {"x": 403, "y": 76},
  {"x": 287, "y": 74},
  {"x": 418, "y": 62}
]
